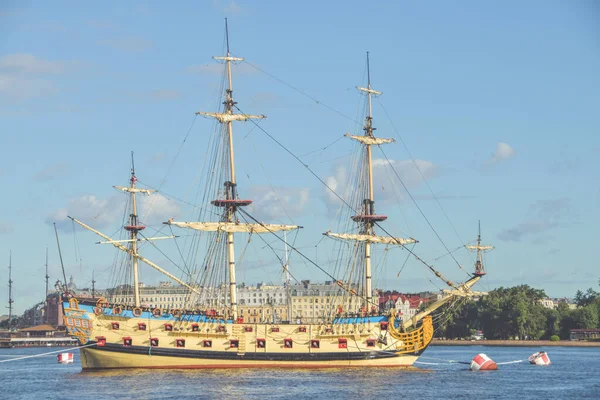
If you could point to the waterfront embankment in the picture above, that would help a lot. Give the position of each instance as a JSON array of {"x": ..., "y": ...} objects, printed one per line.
[{"x": 514, "y": 343}]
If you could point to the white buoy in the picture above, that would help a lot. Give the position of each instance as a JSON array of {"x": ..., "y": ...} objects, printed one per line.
[
  {"x": 65, "y": 358},
  {"x": 482, "y": 362},
  {"x": 540, "y": 358}
]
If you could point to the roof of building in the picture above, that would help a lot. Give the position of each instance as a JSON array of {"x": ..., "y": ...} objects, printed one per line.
[
  {"x": 413, "y": 300},
  {"x": 39, "y": 328}
]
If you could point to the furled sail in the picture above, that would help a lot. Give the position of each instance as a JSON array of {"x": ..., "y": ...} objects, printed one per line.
[
  {"x": 371, "y": 238},
  {"x": 472, "y": 247},
  {"x": 134, "y": 190},
  {"x": 226, "y": 117},
  {"x": 369, "y": 91},
  {"x": 369, "y": 139},
  {"x": 233, "y": 227}
]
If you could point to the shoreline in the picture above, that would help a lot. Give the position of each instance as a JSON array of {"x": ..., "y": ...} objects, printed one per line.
[{"x": 514, "y": 343}]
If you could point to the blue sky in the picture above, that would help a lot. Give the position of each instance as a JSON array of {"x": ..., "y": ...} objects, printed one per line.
[{"x": 497, "y": 102}]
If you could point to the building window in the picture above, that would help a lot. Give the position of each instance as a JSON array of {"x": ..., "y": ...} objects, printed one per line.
[
  {"x": 288, "y": 343},
  {"x": 180, "y": 342}
]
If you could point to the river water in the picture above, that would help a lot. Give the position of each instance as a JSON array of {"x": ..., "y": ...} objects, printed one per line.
[{"x": 574, "y": 374}]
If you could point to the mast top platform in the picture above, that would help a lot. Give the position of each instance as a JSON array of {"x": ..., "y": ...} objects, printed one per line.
[
  {"x": 231, "y": 202},
  {"x": 369, "y": 218}
]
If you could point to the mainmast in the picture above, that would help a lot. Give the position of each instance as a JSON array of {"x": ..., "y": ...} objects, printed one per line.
[
  {"x": 479, "y": 268},
  {"x": 10, "y": 282},
  {"x": 367, "y": 217},
  {"x": 230, "y": 208},
  {"x": 230, "y": 201},
  {"x": 370, "y": 202}
]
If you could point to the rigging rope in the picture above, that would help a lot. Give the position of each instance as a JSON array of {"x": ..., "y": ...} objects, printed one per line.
[
  {"x": 422, "y": 177},
  {"x": 420, "y": 210},
  {"x": 301, "y": 92},
  {"x": 50, "y": 352},
  {"x": 437, "y": 273},
  {"x": 164, "y": 179}
]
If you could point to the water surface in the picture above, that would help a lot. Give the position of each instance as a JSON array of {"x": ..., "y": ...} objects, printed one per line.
[{"x": 574, "y": 374}]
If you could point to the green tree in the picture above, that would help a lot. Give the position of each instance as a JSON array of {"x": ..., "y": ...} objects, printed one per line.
[{"x": 507, "y": 313}]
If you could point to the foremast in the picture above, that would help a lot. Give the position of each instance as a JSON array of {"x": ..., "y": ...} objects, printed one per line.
[
  {"x": 479, "y": 268},
  {"x": 231, "y": 202},
  {"x": 134, "y": 227},
  {"x": 367, "y": 218}
]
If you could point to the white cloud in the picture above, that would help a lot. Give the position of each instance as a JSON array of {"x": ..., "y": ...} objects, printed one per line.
[
  {"x": 102, "y": 213},
  {"x": 544, "y": 215},
  {"x": 6, "y": 228},
  {"x": 29, "y": 64},
  {"x": 503, "y": 152},
  {"x": 98, "y": 213},
  {"x": 52, "y": 172},
  {"x": 277, "y": 204},
  {"x": 335, "y": 187},
  {"x": 383, "y": 177},
  {"x": 156, "y": 209},
  {"x": 21, "y": 76}
]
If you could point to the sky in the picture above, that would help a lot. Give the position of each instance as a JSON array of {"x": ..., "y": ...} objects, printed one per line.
[{"x": 495, "y": 102}]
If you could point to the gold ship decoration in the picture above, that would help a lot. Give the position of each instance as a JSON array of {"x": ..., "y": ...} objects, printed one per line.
[{"x": 127, "y": 336}]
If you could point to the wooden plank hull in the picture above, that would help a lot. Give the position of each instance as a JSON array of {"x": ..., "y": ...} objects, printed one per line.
[
  {"x": 96, "y": 359},
  {"x": 123, "y": 340}
]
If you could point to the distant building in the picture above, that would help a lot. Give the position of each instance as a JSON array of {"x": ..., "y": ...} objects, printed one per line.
[
  {"x": 552, "y": 303},
  {"x": 406, "y": 305},
  {"x": 40, "y": 335},
  {"x": 585, "y": 334},
  {"x": 314, "y": 302}
]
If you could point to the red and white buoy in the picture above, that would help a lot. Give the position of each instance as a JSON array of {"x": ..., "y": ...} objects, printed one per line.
[
  {"x": 65, "y": 358},
  {"x": 540, "y": 358},
  {"x": 481, "y": 362}
]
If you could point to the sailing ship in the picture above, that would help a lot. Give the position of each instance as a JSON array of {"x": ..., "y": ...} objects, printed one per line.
[{"x": 209, "y": 331}]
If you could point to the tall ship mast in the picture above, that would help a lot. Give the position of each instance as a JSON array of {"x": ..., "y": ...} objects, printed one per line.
[
  {"x": 479, "y": 249},
  {"x": 209, "y": 330},
  {"x": 10, "y": 298},
  {"x": 367, "y": 219}
]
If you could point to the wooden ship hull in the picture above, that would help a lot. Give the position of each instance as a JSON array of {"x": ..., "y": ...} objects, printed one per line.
[{"x": 192, "y": 341}]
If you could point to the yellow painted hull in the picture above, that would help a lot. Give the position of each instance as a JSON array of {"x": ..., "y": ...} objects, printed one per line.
[
  {"x": 93, "y": 359},
  {"x": 125, "y": 341}
]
